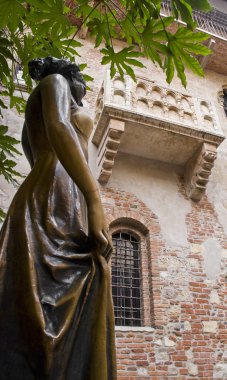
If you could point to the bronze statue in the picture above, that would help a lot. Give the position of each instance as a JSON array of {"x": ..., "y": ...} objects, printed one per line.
[{"x": 56, "y": 314}]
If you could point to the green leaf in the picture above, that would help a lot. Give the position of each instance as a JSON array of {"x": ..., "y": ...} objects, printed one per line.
[
  {"x": 7, "y": 166},
  {"x": 145, "y": 9},
  {"x": 7, "y": 142},
  {"x": 180, "y": 70},
  {"x": 11, "y": 12},
  {"x": 201, "y": 5},
  {"x": 87, "y": 12},
  {"x": 174, "y": 9},
  {"x": 121, "y": 60},
  {"x": 195, "y": 48},
  {"x": 82, "y": 66},
  {"x": 154, "y": 39},
  {"x": 190, "y": 61},
  {"x": 185, "y": 11},
  {"x": 2, "y": 215},
  {"x": 184, "y": 44},
  {"x": 130, "y": 31},
  {"x": 88, "y": 78},
  {"x": 4, "y": 68},
  {"x": 5, "y": 54},
  {"x": 4, "y": 41},
  {"x": 158, "y": 25},
  {"x": 2, "y": 105},
  {"x": 48, "y": 17},
  {"x": 113, "y": 70},
  {"x": 7, "y": 169},
  {"x": 24, "y": 48},
  {"x": 187, "y": 35},
  {"x": 162, "y": 48},
  {"x": 169, "y": 65},
  {"x": 3, "y": 129},
  {"x": 100, "y": 29}
]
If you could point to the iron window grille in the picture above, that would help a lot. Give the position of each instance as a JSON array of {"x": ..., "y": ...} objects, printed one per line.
[{"x": 126, "y": 280}]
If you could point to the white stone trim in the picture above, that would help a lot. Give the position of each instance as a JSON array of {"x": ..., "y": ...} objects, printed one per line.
[{"x": 134, "y": 328}]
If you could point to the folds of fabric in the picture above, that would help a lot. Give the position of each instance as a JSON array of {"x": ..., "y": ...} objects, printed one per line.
[{"x": 56, "y": 314}]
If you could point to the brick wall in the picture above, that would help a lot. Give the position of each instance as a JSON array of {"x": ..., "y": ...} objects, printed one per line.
[{"x": 185, "y": 311}]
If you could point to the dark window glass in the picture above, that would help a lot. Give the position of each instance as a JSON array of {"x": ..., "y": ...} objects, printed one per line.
[
  {"x": 126, "y": 280},
  {"x": 225, "y": 101}
]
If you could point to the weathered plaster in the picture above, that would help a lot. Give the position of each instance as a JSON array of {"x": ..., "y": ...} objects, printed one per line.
[
  {"x": 212, "y": 253},
  {"x": 157, "y": 186},
  {"x": 220, "y": 371}
]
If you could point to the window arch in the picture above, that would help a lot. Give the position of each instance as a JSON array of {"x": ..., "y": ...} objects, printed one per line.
[
  {"x": 126, "y": 279},
  {"x": 222, "y": 99},
  {"x": 225, "y": 100}
]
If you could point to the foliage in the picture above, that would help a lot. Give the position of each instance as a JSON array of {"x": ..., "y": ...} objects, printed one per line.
[
  {"x": 7, "y": 166},
  {"x": 38, "y": 28},
  {"x": 7, "y": 148},
  {"x": 42, "y": 27}
]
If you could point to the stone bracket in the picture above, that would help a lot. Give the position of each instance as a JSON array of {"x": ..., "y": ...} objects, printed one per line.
[
  {"x": 198, "y": 170},
  {"x": 108, "y": 149}
]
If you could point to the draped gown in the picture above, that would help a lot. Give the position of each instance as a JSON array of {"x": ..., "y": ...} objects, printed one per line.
[{"x": 56, "y": 314}]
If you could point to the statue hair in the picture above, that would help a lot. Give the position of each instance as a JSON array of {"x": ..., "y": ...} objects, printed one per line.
[{"x": 52, "y": 65}]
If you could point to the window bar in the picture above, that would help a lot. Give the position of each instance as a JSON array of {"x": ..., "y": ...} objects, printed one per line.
[{"x": 126, "y": 280}]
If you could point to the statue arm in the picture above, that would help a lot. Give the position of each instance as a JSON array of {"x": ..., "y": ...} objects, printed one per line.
[
  {"x": 26, "y": 146},
  {"x": 56, "y": 102}
]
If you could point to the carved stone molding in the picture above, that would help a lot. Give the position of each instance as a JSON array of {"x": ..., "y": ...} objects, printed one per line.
[
  {"x": 108, "y": 149},
  {"x": 150, "y": 121},
  {"x": 198, "y": 170},
  {"x": 149, "y": 103}
]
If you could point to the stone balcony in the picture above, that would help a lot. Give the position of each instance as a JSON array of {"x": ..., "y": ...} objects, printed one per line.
[{"x": 157, "y": 123}]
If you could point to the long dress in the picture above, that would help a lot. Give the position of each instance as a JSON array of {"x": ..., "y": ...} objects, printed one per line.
[{"x": 56, "y": 314}]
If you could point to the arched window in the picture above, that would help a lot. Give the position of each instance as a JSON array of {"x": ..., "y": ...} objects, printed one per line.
[
  {"x": 126, "y": 279},
  {"x": 225, "y": 100}
]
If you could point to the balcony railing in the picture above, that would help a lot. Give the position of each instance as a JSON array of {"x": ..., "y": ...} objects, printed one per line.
[
  {"x": 147, "y": 120},
  {"x": 214, "y": 22},
  {"x": 146, "y": 99}
]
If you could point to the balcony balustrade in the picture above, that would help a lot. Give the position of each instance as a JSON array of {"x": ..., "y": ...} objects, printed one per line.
[
  {"x": 214, "y": 22},
  {"x": 157, "y": 123}
]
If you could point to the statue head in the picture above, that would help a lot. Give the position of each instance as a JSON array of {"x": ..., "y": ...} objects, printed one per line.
[{"x": 39, "y": 68}]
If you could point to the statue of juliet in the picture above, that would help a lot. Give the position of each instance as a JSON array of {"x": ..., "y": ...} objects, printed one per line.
[{"x": 56, "y": 312}]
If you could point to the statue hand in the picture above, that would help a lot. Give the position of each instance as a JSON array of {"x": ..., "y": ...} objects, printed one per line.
[{"x": 98, "y": 230}]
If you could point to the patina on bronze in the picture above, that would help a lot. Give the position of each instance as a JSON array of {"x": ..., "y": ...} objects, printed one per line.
[{"x": 56, "y": 314}]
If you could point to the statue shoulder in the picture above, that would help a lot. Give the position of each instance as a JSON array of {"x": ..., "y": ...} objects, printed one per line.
[{"x": 54, "y": 80}]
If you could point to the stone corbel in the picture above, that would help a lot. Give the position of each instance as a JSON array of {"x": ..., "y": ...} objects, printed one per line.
[
  {"x": 198, "y": 170},
  {"x": 108, "y": 149}
]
